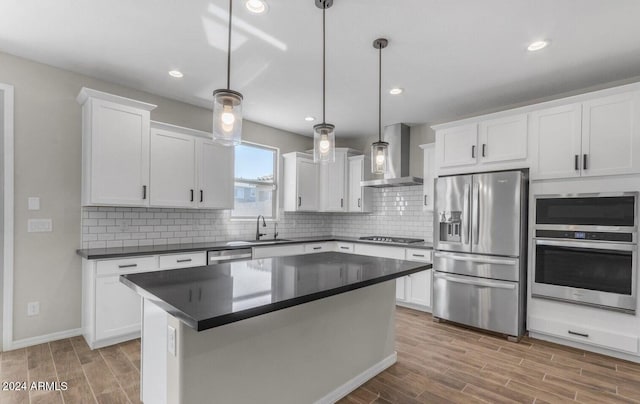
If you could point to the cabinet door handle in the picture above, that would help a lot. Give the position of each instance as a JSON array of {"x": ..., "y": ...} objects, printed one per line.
[
  {"x": 484, "y": 147},
  {"x": 317, "y": 248},
  {"x": 201, "y": 196},
  {"x": 185, "y": 260},
  {"x": 358, "y": 202},
  {"x": 425, "y": 200},
  {"x": 299, "y": 201},
  {"x": 577, "y": 163},
  {"x": 127, "y": 266},
  {"x": 344, "y": 248},
  {"x": 584, "y": 162},
  {"x": 579, "y": 334},
  {"x": 192, "y": 195},
  {"x": 342, "y": 202},
  {"x": 144, "y": 192},
  {"x": 473, "y": 151}
]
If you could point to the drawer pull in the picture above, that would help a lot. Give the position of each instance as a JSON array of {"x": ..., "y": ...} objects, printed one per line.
[
  {"x": 185, "y": 260},
  {"x": 317, "y": 248},
  {"x": 579, "y": 334},
  {"x": 344, "y": 248},
  {"x": 127, "y": 266},
  {"x": 418, "y": 255}
]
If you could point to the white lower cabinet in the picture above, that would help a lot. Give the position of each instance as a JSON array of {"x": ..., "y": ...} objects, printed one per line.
[
  {"x": 117, "y": 309},
  {"x": 111, "y": 312}
]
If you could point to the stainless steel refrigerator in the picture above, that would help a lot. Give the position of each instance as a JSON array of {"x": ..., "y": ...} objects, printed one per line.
[{"x": 480, "y": 255}]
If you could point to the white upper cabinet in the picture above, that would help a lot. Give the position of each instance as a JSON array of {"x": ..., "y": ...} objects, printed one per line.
[
  {"x": 301, "y": 183},
  {"x": 215, "y": 172},
  {"x": 429, "y": 175},
  {"x": 503, "y": 139},
  {"x": 611, "y": 135},
  {"x": 333, "y": 183},
  {"x": 556, "y": 142},
  {"x": 189, "y": 170},
  {"x": 115, "y": 149},
  {"x": 594, "y": 138},
  {"x": 457, "y": 146},
  {"x": 359, "y": 197},
  {"x": 173, "y": 171}
]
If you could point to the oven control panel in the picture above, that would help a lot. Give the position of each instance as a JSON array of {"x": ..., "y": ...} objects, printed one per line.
[{"x": 585, "y": 235}]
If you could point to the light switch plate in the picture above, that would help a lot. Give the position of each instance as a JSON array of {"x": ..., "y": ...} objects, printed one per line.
[
  {"x": 39, "y": 225},
  {"x": 171, "y": 340},
  {"x": 33, "y": 203}
]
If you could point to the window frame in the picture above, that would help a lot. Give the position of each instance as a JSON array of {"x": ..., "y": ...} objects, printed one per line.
[{"x": 276, "y": 190}]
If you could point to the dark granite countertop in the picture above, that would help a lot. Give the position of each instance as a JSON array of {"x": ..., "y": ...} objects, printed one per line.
[
  {"x": 119, "y": 252},
  {"x": 210, "y": 296}
]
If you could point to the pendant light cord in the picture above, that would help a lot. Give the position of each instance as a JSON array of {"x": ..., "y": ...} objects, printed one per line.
[
  {"x": 229, "y": 47},
  {"x": 324, "y": 85},
  {"x": 380, "y": 94}
]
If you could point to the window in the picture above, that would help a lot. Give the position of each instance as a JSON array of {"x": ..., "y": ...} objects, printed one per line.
[{"x": 255, "y": 186}]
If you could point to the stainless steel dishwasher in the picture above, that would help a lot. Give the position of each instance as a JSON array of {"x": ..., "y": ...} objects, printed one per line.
[{"x": 223, "y": 256}]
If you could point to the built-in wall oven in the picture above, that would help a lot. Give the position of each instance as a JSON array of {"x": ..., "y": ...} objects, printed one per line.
[{"x": 585, "y": 249}]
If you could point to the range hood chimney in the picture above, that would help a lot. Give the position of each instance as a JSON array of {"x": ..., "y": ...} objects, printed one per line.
[{"x": 399, "y": 150}]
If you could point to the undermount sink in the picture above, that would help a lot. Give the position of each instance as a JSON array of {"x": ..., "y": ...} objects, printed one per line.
[{"x": 250, "y": 242}]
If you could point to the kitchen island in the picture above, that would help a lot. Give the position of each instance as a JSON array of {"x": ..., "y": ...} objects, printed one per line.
[{"x": 305, "y": 328}]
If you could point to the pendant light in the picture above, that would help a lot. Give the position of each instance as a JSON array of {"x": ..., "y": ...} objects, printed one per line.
[
  {"x": 379, "y": 149},
  {"x": 227, "y": 106},
  {"x": 324, "y": 136}
]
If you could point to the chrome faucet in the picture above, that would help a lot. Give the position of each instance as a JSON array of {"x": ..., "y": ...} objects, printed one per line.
[
  {"x": 275, "y": 230},
  {"x": 264, "y": 224}
]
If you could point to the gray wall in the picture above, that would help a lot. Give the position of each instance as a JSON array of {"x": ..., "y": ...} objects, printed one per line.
[
  {"x": 1, "y": 211},
  {"x": 48, "y": 165}
]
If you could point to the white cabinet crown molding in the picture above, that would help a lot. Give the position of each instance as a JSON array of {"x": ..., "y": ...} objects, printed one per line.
[
  {"x": 87, "y": 93},
  {"x": 182, "y": 129}
]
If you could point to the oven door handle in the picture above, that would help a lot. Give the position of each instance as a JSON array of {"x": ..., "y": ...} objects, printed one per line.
[
  {"x": 481, "y": 260},
  {"x": 475, "y": 282},
  {"x": 591, "y": 245}
]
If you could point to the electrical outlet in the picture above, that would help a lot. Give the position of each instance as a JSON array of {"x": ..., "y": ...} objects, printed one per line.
[
  {"x": 171, "y": 340},
  {"x": 33, "y": 308}
]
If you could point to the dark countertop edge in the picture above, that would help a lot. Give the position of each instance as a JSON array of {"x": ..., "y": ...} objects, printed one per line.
[
  {"x": 121, "y": 252},
  {"x": 202, "y": 325}
]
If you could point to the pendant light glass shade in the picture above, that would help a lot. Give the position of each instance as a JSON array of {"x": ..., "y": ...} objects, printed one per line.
[
  {"x": 324, "y": 143},
  {"x": 227, "y": 117},
  {"x": 227, "y": 105},
  {"x": 379, "y": 157}
]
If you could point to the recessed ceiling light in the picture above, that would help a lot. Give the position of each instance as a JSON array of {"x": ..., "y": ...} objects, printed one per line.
[
  {"x": 309, "y": 118},
  {"x": 176, "y": 73},
  {"x": 396, "y": 91},
  {"x": 256, "y": 6},
  {"x": 537, "y": 45}
]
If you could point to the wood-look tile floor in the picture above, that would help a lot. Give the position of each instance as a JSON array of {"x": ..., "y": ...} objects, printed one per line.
[{"x": 437, "y": 363}]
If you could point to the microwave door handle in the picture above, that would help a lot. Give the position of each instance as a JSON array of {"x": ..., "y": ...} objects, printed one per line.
[
  {"x": 476, "y": 213},
  {"x": 587, "y": 245},
  {"x": 465, "y": 214}
]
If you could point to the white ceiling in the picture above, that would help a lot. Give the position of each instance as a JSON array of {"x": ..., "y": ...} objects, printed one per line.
[{"x": 454, "y": 58}]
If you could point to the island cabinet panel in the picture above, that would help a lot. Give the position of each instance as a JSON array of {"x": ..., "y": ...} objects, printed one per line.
[{"x": 115, "y": 149}]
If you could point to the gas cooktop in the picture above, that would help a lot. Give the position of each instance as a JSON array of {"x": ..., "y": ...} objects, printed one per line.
[{"x": 399, "y": 240}]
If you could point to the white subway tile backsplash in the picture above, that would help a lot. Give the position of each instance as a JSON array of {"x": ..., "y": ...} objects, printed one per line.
[{"x": 396, "y": 212}]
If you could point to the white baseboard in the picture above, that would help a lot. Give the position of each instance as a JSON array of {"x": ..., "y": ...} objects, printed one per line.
[
  {"x": 41, "y": 339},
  {"x": 413, "y": 306},
  {"x": 359, "y": 380}
]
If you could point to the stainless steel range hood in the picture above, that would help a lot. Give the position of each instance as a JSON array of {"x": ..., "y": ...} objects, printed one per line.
[{"x": 399, "y": 149}]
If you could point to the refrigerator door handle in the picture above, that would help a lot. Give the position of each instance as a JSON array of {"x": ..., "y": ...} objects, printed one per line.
[
  {"x": 465, "y": 214},
  {"x": 481, "y": 260},
  {"x": 476, "y": 213},
  {"x": 475, "y": 282}
]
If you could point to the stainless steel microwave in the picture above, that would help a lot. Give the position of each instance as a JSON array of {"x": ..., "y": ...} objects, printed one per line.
[{"x": 585, "y": 249}]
